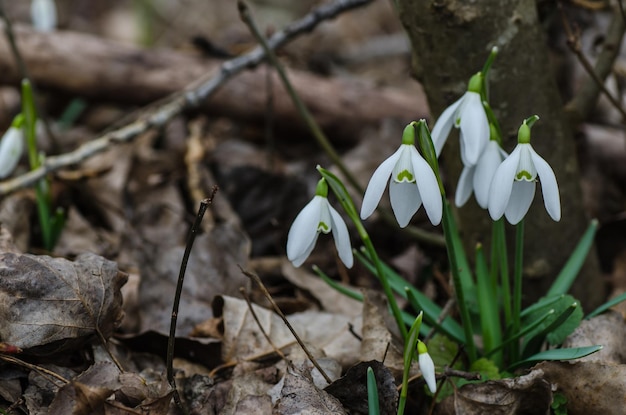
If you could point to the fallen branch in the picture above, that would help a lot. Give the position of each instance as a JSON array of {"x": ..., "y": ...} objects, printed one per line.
[{"x": 131, "y": 68}]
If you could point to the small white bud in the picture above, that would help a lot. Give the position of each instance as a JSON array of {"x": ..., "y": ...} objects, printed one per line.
[
  {"x": 44, "y": 15},
  {"x": 11, "y": 148}
]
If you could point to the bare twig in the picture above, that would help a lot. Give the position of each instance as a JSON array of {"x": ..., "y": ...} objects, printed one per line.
[
  {"x": 258, "y": 323},
  {"x": 280, "y": 313},
  {"x": 192, "y": 97},
  {"x": 585, "y": 100},
  {"x": 171, "y": 341},
  {"x": 316, "y": 131},
  {"x": 48, "y": 374}
]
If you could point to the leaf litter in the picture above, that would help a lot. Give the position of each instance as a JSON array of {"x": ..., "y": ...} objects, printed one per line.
[{"x": 132, "y": 203}]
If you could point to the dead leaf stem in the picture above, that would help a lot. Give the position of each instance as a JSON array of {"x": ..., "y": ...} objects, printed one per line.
[
  {"x": 256, "y": 319},
  {"x": 278, "y": 311},
  {"x": 48, "y": 374}
]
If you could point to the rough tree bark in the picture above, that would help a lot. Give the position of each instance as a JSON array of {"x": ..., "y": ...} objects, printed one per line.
[{"x": 451, "y": 40}]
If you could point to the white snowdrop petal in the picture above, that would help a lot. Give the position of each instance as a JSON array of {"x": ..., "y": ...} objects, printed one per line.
[
  {"x": 405, "y": 201},
  {"x": 341, "y": 237},
  {"x": 427, "y": 367},
  {"x": 44, "y": 15},
  {"x": 464, "y": 186},
  {"x": 428, "y": 188},
  {"x": 299, "y": 260},
  {"x": 549, "y": 187},
  {"x": 378, "y": 183},
  {"x": 11, "y": 149},
  {"x": 502, "y": 185},
  {"x": 485, "y": 170},
  {"x": 474, "y": 126},
  {"x": 444, "y": 124},
  {"x": 522, "y": 196},
  {"x": 526, "y": 169},
  {"x": 303, "y": 231}
]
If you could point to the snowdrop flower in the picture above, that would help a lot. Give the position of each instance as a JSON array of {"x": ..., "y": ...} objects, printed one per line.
[
  {"x": 477, "y": 178},
  {"x": 44, "y": 15},
  {"x": 11, "y": 148},
  {"x": 318, "y": 216},
  {"x": 427, "y": 367},
  {"x": 412, "y": 183},
  {"x": 468, "y": 114},
  {"x": 513, "y": 187}
]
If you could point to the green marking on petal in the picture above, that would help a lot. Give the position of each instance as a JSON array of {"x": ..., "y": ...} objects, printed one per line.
[
  {"x": 404, "y": 176},
  {"x": 323, "y": 227},
  {"x": 524, "y": 175}
]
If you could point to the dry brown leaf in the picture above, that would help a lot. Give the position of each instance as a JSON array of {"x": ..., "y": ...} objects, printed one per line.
[
  {"x": 378, "y": 342},
  {"x": 300, "y": 396},
  {"x": 330, "y": 299},
  {"x": 242, "y": 338},
  {"x": 248, "y": 395},
  {"x": 351, "y": 389},
  {"x": 591, "y": 388},
  {"x": 608, "y": 330},
  {"x": 147, "y": 393},
  {"x": 49, "y": 305},
  {"x": 87, "y": 393},
  {"x": 530, "y": 394},
  {"x": 15, "y": 214}
]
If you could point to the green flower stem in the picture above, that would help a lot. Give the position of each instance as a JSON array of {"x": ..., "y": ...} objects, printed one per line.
[
  {"x": 489, "y": 313},
  {"x": 517, "y": 284},
  {"x": 395, "y": 310},
  {"x": 346, "y": 202},
  {"x": 499, "y": 243},
  {"x": 448, "y": 229},
  {"x": 409, "y": 353},
  {"x": 41, "y": 188}
]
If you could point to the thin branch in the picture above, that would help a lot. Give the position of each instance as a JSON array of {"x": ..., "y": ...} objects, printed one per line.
[
  {"x": 161, "y": 113},
  {"x": 585, "y": 100},
  {"x": 171, "y": 340},
  {"x": 48, "y": 374},
  {"x": 280, "y": 313},
  {"x": 258, "y": 323}
]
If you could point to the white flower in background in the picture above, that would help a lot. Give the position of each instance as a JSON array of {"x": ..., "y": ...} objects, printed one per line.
[
  {"x": 318, "y": 216},
  {"x": 467, "y": 114},
  {"x": 513, "y": 187},
  {"x": 44, "y": 15},
  {"x": 477, "y": 178},
  {"x": 427, "y": 367},
  {"x": 412, "y": 183},
  {"x": 11, "y": 148}
]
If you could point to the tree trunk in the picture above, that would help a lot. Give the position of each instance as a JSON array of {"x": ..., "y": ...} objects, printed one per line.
[{"x": 451, "y": 40}]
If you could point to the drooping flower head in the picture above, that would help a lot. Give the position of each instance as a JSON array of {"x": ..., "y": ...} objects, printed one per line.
[
  {"x": 467, "y": 114},
  {"x": 318, "y": 216},
  {"x": 11, "y": 147},
  {"x": 411, "y": 183},
  {"x": 427, "y": 366},
  {"x": 478, "y": 178},
  {"x": 513, "y": 187}
]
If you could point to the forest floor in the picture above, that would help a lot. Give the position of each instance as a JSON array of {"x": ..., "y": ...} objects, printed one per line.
[{"x": 135, "y": 145}]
